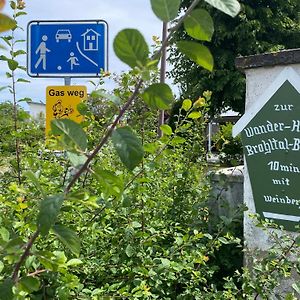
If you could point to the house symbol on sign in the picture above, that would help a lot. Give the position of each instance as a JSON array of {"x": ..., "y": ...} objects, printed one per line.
[{"x": 90, "y": 40}]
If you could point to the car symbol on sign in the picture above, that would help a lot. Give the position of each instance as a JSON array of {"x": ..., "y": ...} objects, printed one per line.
[{"x": 63, "y": 34}]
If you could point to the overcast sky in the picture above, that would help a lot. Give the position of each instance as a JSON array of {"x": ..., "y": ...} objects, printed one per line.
[{"x": 119, "y": 14}]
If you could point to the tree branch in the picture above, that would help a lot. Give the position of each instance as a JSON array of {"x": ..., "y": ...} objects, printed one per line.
[
  {"x": 37, "y": 272},
  {"x": 26, "y": 253},
  {"x": 165, "y": 43},
  {"x": 105, "y": 137}
]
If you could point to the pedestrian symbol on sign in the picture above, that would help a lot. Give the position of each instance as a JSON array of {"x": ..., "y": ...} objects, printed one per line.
[{"x": 42, "y": 50}]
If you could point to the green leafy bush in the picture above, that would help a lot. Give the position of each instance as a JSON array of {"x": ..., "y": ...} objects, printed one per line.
[
  {"x": 230, "y": 149},
  {"x": 118, "y": 212}
]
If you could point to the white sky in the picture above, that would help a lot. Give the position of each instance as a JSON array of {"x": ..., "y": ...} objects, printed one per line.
[{"x": 119, "y": 14}]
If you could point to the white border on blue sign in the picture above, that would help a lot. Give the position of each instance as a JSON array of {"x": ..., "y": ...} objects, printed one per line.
[{"x": 62, "y": 75}]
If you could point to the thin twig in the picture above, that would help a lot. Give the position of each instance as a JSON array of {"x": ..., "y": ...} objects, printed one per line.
[
  {"x": 105, "y": 137},
  {"x": 37, "y": 272},
  {"x": 26, "y": 253},
  {"x": 163, "y": 64},
  {"x": 15, "y": 110},
  {"x": 157, "y": 54},
  {"x": 65, "y": 174}
]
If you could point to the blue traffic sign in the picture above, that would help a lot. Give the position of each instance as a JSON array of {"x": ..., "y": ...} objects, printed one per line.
[{"x": 67, "y": 48}]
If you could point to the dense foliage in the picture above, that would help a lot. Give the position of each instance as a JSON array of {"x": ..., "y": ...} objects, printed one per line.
[
  {"x": 261, "y": 26},
  {"x": 108, "y": 210},
  {"x": 30, "y": 132},
  {"x": 230, "y": 149}
]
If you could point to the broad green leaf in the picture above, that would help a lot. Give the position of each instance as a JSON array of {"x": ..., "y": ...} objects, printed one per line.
[
  {"x": 71, "y": 132},
  {"x": 13, "y": 4},
  {"x": 199, "y": 25},
  {"x": 68, "y": 237},
  {"x": 49, "y": 210},
  {"x": 209, "y": 236},
  {"x": 197, "y": 53},
  {"x": 14, "y": 245},
  {"x": 19, "y": 52},
  {"x": 12, "y": 64},
  {"x": 4, "y": 58},
  {"x": 29, "y": 284},
  {"x": 110, "y": 183},
  {"x": 179, "y": 241},
  {"x": 74, "y": 262},
  {"x": 3, "y": 88},
  {"x": 4, "y": 233},
  {"x": 112, "y": 98},
  {"x": 151, "y": 147},
  {"x": 7, "y": 40},
  {"x": 23, "y": 68},
  {"x": 135, "y": 224},
  {"x": 21, "y": 13},
  {"x": 20, "y": 41},
  {"x": 6, "y": 290},
  {"x": 131, "y": 47},
  {"x": 128, "y": 147},
  {"x": 26, "y": 99},
  {"x": 30, "y": 175},
  {"x": 59, "y": 257},
  {"x": 83, "y": 109},
  {"x": 45, "y": 258},
  {"x": 289, "y": 296},
  {"x": 194, "y": 115},
  {"x": 177, "y": 140},
  {"x": 23, "y": 80},
  {"x": 186, "y": 104},
  {"x": 166, "y": 129},
  {"x": 76, "y": 159},
  {"x": 296, "y": 287},
  {"x": 165, "y": 262},
  {"x": 200, "y": 102},
  {"x": 1, "y": 266},
  {"x": 166, "y": 10},
  {"x": 229, "y": 7},
  {"x": 158, "y": 96},
  {"x": 6, "y": 23},
  {"x": 223, "y": 240},
  {"x": 129, "y": 250}
]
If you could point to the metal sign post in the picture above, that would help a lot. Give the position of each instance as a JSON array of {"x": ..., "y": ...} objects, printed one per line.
[{"x": 67, "y": 81}]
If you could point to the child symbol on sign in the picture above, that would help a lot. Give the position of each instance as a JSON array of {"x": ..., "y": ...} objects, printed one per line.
[{"x": 73, "y": 60}]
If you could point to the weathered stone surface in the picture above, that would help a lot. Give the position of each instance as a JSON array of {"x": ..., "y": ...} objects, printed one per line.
[
  {"x": 227, "y": 191},
  {"x": 286, "y": 57}
]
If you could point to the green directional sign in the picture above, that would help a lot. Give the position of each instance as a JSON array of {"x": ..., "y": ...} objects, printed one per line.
[{"x": 271, "y": 141}]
